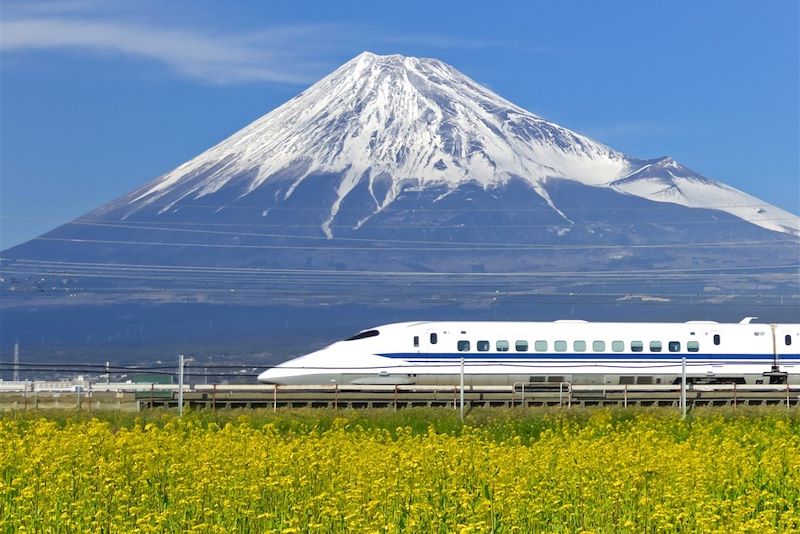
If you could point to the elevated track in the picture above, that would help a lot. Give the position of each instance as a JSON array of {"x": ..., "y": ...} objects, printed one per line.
[{"x": 134, "y": 397}]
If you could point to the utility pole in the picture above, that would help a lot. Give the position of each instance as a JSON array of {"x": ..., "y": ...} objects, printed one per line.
[
  {"x": 16, "y": 362},
  {"x": 108, "y": 373},
  {"x": 180, "y": 385},
  {"x": 683, "y": 387},
  {"x": 462, "y": 389}
]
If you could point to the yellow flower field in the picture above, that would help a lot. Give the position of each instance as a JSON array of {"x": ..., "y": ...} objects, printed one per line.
[{"x": 419, "y": 471}]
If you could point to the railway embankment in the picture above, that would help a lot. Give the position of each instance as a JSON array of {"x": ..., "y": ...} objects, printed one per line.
[{"x": 135, "y": 397}]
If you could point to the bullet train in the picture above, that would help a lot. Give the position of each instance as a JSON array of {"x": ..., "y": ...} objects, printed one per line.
[{"x": 578, "y": 352}]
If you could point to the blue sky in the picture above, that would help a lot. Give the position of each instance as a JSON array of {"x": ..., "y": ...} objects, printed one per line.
[{"x": 97, "y": 98}]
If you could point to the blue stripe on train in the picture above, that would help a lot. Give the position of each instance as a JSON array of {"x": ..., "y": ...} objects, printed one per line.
[{"x": 667, "y": 357}]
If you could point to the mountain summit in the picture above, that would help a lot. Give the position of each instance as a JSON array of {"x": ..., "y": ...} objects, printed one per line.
[{"x": 382, "y": 125}]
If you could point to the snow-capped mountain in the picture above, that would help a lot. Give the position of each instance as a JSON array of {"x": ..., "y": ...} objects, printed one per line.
[
  {"x": 397, "y": 164},
  {"x": 396, "y": 188},
  {"x": 380, "y": 126}
]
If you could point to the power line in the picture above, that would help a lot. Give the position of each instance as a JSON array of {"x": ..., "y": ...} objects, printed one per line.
[
  {"x": 404, "y": 224},
  {"x": 139, "y": 226},
  {"x": 351, "y": 281},
  {"x": 167, "y": 275},
  {"x": 605, "y": 209},
  {"x": 416, "y": 274},
  {"x": 443, "y": 247}
]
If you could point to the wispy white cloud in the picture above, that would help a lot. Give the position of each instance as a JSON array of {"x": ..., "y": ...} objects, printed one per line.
[
  {"x": 269, "y": 56},
  {"x": 294, "y": 54},
  {"x": 50, "y": 7},
  {"x": 281, "y": 54}
]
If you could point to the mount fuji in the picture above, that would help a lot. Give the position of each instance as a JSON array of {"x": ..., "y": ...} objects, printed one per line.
[
  {"x": 388, "y": 124},
  {"x": 394, "y": 166}
]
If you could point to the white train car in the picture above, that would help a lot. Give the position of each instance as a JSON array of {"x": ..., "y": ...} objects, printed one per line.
[{"x": 577, "y": 352}]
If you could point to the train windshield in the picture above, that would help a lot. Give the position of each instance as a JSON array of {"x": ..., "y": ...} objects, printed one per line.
[{"x": 363, "y": 335}]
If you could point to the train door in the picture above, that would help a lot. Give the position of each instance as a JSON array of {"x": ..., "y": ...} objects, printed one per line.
[
  {"x": 784, "y": 353},
  {"x": 776, "y": 349},
  {"x": 715, "y": 351},
  {"x": 787, "y": 347},
  {"x": 432, "y": 340},
  {"x": 787, "y": 341}
]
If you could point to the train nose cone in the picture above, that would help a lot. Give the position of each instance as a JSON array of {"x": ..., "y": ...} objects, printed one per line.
[
  {"x": 285, "y": 373},
  {"x": 276, "y": 375}
]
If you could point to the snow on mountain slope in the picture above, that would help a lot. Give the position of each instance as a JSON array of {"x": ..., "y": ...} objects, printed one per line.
[
  {"x": 665, "y": 180},
  {"x": 419, "y": 123}
]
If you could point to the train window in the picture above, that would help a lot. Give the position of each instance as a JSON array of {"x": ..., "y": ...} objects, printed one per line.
[
  {"x": 655, "y": 346},
  {"x": 502, "y": 345},
  {"x": 579, "y": 346},
  {"x": 599, "y": 346},
  {"x": 463, "y": 345},
  {"x": 363, "y": 335},
  {"x": 674, "y": 346},
  {"x": 693, "y": 346},
  {"x": 416, "y": 341},
  {"x": 618, "y": 346},
  {"x": 540, "y": 345},
  {"x": 716, "y": 339},
  {"x": 788, "y": 339},
  {"x": 637, "y": 346},
  {"x": 482, "y": 346},
  {"x": 560, "y": 346},
  {"x": 434, "y": 338},
  {"x": 521, "y": 345}
]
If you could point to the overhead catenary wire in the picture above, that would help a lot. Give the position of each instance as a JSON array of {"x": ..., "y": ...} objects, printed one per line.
[
  {"x": 275, "y": 282},
  {"x": 199, "y": 277},
  {"x": 450, "y": 296},
  {"x": 56, "y": 268},
  {"x": 276, "y": 285},
  {"x": 401, "y": 224},
  {"x": 656, "y": 206},
  {"x": 360, "y": 272},
  {"x": 442, "y": 246},
  {"x": 187, "y": 279}
]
